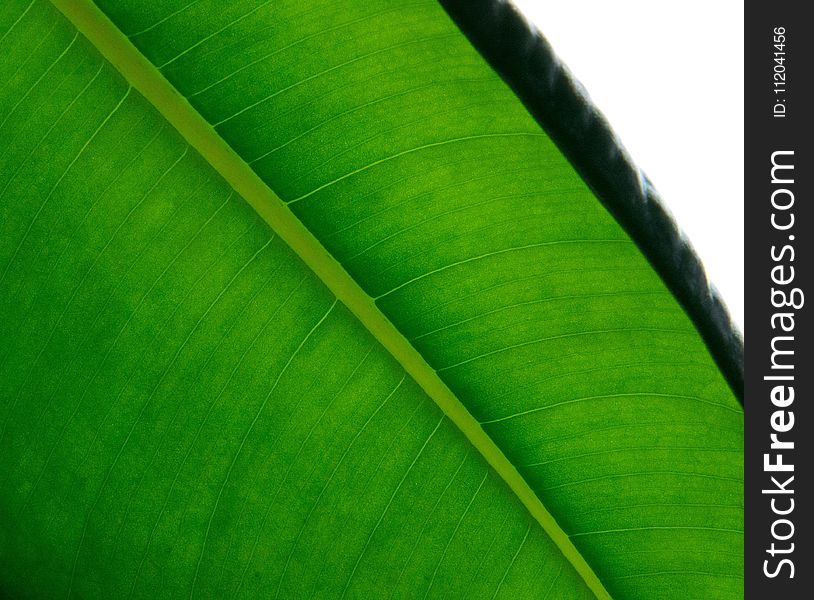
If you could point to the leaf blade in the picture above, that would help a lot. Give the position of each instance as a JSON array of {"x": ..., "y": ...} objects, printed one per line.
[
  {"x": 173, "y": 351},
  {"x": 371, "y": 195},
  {"x": 405, "y": 308},
  {"x": 203, "y": 137}
]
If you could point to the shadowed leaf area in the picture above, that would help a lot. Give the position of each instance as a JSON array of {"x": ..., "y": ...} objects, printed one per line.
[{"x": 189, "y": 408}]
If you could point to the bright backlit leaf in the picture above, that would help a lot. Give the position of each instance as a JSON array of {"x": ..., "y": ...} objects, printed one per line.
[{"x": 359, "y": 330}]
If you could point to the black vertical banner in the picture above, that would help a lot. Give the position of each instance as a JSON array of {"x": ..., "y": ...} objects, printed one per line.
[{"x": 779, "y": 59}]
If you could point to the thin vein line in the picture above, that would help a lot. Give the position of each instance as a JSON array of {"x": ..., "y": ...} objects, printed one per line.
[
  {"x": 163, "y": 19},
  {"x": 213, "y": 34},
  {"x": 24, "y": 64},
  {"x": 299, "y": 450},
  {"x": 390, "y": 207},
  {"x": 640, "y": 474},
  {"x": 27, "y": 318},
  {"x": 324, "y": 487},
  {"x": 454, "y": 533},
  {"x": 338, "y": 116},
  {"x": 438, "y": 216},
  {"x": 660, "y": 528},
  {"x": 68, "y": 303},
  {"x": 124, "y": 387},
  {"x": 155, "y": 335},
  {"x": 318, "y": 500},
  {"x": 409, "y": 126},
  {"x": 620, "y": 294},
  {"x": 20, "y": 18},
  {"x": 298, "y": 42},
  {"x": 606, "y": 368},
  {"x": 93, "y": 506},
  {"x": 566, "y": 336},
  {"x": 553, "y": 582},
  {"x": 243, "y": 443},
  {"x": 411, "y": 151},
  {"x": 429, "y": 514},
  {"x": 67, "y": 170},
  {"x": 324, "y": 72},
  {"x": 497, "y": 253},
  {"x": 631, "y": 449},
  {"x": 10, "y": 141},
  {"x": 387, "y": 507},
  {"x": 655, "y": 573},
  {"x": 419, "y": 316},
  {"x": 75, "y": 411},
  {"x": 93, "y": 378},
  {"x": 498, "y": 531},
  {"x": 621, "y": 507},
  {"x": 235, "y": 320},
  {"x": 25, "y": 160},
  {"x": 511, "y": 564},
  {"x": 606, "y": 397}
]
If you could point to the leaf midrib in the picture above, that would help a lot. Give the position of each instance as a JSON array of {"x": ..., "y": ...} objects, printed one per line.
[{"x": 148, "y": 80}]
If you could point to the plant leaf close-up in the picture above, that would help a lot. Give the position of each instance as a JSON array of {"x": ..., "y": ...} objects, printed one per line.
[{"x": 315, "y": 300}]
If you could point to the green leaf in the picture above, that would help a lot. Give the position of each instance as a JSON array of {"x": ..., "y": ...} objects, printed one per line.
[{"x": 298, "y": 300}]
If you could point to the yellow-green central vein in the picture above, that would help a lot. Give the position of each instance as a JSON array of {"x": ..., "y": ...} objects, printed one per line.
[{"x": 146, "y": 78}]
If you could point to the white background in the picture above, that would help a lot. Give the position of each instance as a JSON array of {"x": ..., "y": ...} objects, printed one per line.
[{"x": 669, "y": 79}]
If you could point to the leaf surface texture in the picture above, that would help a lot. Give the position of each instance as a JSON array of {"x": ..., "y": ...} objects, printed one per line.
[{"x": 187, "y": 409}]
